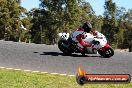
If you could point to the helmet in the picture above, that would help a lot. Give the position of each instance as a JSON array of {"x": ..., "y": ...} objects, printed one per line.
[{"x": 87, "y": 27}]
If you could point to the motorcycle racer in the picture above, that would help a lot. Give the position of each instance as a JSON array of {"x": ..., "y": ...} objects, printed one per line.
[
  {"x": 86, "y": 40},
  {"x": 78, "y": 36}
]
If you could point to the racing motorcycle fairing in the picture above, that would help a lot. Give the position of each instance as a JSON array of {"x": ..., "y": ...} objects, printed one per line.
[{"x": 100, "y": 46}]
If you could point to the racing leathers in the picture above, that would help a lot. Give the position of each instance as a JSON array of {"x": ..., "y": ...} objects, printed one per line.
[{"x": 77, "y": 36}]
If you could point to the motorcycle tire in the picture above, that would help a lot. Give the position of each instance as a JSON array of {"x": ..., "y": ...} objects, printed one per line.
[
  {"x": 108, "y": 53},
  {"x": 63, "y": 46}
]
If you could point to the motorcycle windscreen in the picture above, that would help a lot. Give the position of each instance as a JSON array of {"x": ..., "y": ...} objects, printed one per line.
[{"x": 102, "y": 41}]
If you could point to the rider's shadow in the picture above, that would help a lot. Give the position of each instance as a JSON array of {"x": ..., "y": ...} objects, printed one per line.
[
  {"x": 62, "y": 54},
  {"x": 79, "y": 55},
  {"x": 52, "y": 53}
]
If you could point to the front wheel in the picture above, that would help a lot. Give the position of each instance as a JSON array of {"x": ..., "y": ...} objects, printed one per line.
[{"x": 107, "y": 53}]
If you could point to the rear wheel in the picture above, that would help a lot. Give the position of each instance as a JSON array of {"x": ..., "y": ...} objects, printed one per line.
[{"x": 63, "y": 45}]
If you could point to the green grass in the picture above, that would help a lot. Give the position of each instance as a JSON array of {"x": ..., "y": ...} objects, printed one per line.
[{"x": 20, "y": 79}]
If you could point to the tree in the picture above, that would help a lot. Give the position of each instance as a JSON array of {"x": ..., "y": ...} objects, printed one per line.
[
  {"x": 128, "y": 29},
  {"x": 109, "y": 27},
  {"x": 61, "y": 15},
  {"x": 10, "y": 11}
]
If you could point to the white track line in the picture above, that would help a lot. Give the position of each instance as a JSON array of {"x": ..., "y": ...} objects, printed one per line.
[
  {"x": 27, "y": 70},
  {"x": 17, "y": 69},
  {"x": 63, "y": 74},
  {"x": 44, "y": 72},
  {"x": 71, "y": 75},
  {"x": 2, "y": 67},
  {"x": 36, "y": 71},
  {"x": 54, "y": 73},
  {"x": 9, "y": 68}
]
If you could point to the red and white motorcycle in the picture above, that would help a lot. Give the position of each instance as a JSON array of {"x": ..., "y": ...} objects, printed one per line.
[{"x": 100, "y": 46}]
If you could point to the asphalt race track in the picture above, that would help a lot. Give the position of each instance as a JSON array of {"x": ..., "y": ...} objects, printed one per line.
[{"x": 48, "y": 58}]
